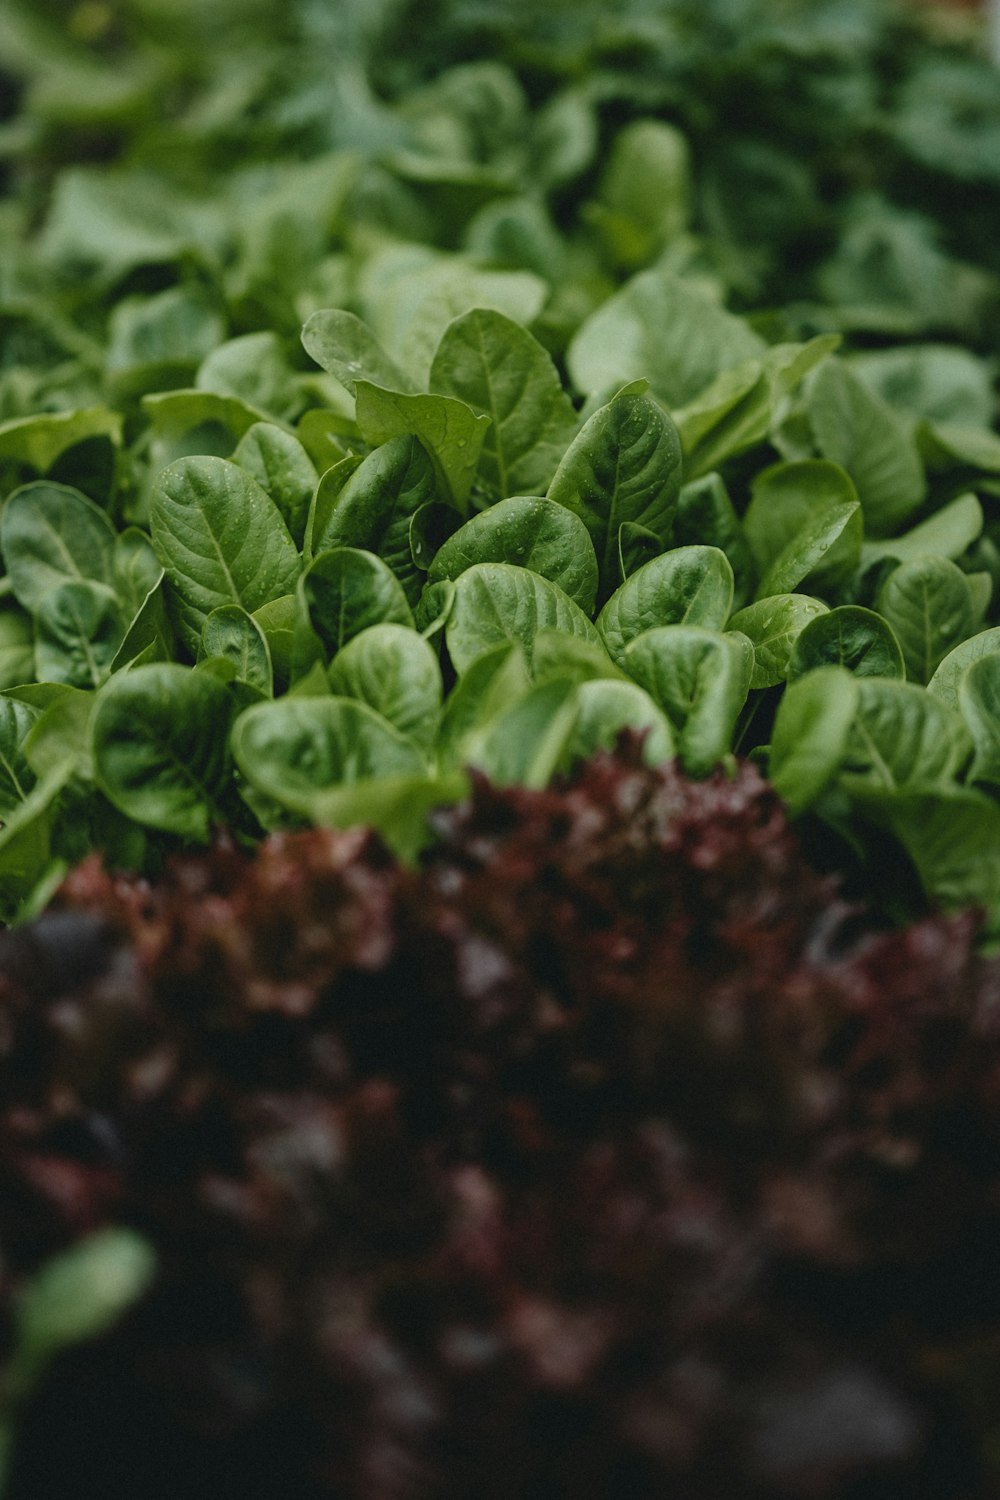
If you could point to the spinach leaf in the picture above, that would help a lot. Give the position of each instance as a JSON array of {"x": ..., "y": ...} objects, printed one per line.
[
  {"x": 686, "y": 586},
  {"x": 504, "y": 373},
  {"x": 345, "y": 591},
  {"x": 773, "y": 625},
  {"x": 700, "y": 679},
  {"x": 394, "y": 671},
  {"x": 851, "y": 637},
  {"x": 623, "y": 466},
  {"x": 496, "y": 602},
  {"x": 220, "y": 539},
  {"x": 51, "y": 534},
  {"x": 530, "y": 533},
  {"x": 928, "y": 605},
  {"x": 160, "y": 745}
]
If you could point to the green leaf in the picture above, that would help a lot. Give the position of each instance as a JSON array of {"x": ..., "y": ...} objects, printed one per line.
[
  {"x": 26, "y": 841},
  {"x": 947, "y": 533},
  {"x": 665, "y": 329},
  {"x": 773, "y": 626},
  {"x": 221, "y": 540},
  {"x": 51, "y": 534},
  {"x": 136, "y": 569},
  {"x": 555, "y": 654},
  {"x": 345, "y": 591},
  {"x": 902, "y": 736},
  {"x": 706, "y": 515},
  {"x": 79, "y": 628},
  {"x": 495, "y": 679},
  {"x": 159, "y": 736},
  {"x": 395, "y": 805},
  {"x": 394, "y": 671},
  {"x": 731, "y": 414},
  {"x": 38, "y": 441},
  {"x": 797, "y": 506},
  {"x": 502, "y": 372},
  {"x": 623, "y": 466},
  {"x": 345, "y": 346},
  {"x": 686, "y": 586},
  {"x": 17, "y": 651},
  {"x": 643, "y": 193},
  {"x": 700, "y": 679},
  {"x": 952, "y": 835},
  {"x": 864, "y": 435},
  {"x": 809, "y": 739},
  {"x": 449, "y": 429},
  {"x": 149, "y": 637},
  {"x": 928, "y": 605},
  {"x": 604, "y": 708},
  {"x": 374, "y": 508},
  {"x": 76, "y": 1296},
  {"x": 283, "y": 469},
  {"x": 979, "y": 702},
  {"x": 60, "y": 736},
  {"x": 16, "y": 774},
  {"x": 948, "y": 676},
  {"x": 292, "y": 748},
  {"x": 277, "y": 622},
  {"x": 497, "y": 602},
  {"x": 525, "y": 742},
  {"x": 531, "y": 533},
  {"x": 850, "y": 637},
  {"x": 231, "y": 633}
]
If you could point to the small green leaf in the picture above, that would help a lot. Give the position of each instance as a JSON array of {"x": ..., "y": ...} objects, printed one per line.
[
  {"x": 221, "y": 540},
  {"x": 979, "y": 702},
  {"x": 159, "y": 736},
  {"x": 79, "y": 629},
  {"x": 51, "y": 534},
  {"x": 700, "y": 679},
  {"x": 809, "y": 739},
  {"x": 946, "y": 680},
  {"x": 928, "y": 605},
  {"x": 451, "y": 431},
  {"x": 502, "y": 371},
  {"x": 497, "y": 602},
  {"x": 773, "y": 626},
  {"x": 902, "y": 736},
  {"x": 345, "y": 591},
  {"x": 283, "y": 469},
  {"x": 803, "y": 515},
  {"x": 605, "y": 707},
  {"x": 345, "y": 346},
  {"x": 293, "y": 748},
  {"x": 860, "y": 432},
  {"x": 623, "y": 465},
  {"x": 850, "y": 637},
  {"x": 394, "y": 671},
  {"x": 16, "y": 774},
  {"x": 231, "y": 633},
  {"x": 530, "y": 533},
  {"x": 686, "y": 586}
]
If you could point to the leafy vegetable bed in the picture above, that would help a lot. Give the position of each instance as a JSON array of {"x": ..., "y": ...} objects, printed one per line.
[{"x": 393, "y": 397}]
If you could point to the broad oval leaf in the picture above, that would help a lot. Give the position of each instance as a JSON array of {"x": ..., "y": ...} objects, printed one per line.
[
  {"x": 160, "y": 735},
  {"x": 451, "y": 431},
  {"x": 773, "y": 626},
  {"x": 858, "y": 430},
  {"x": 979, "y": 702},
  {"x": 394, "y": 671},
  {"x": 374, "y": 507},
  {"x": 50, "y": 534},
  {"x": 664, "y": 328},
  {"x": 700, "y": 679},
  {"x": 344, "y": 345},
  {"x": 809, "y": 739},
  {"x": 345, "y": 590},
  {"x": 928, "y": 604},
  {"x": 221, "y": 540},
  {"x": 503, "y": 372},
  {"x": 16, "y": 774},
  {"x": 686, "y": 586},
  {"x": 293, "y": 748},
  {"x": 605, "y": 707},
  {"x": 496, "y": 602},
  {"x": 526, "y": 741},
  {"x": 903, "y": 736},
  {"x": 624, "y": 465},
  {"x": 849, "y": 636},
  {"x": 233, "y": 634},
  {"x": 948, "y": 676},
  {"x": 283, "y": 469},
  {"x": 530, "y": 533},
  {"x": 79, "y": 628}
]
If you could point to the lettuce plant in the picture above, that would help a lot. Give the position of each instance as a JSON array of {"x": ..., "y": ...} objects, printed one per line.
[{"x": 612, "y": 1150}]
